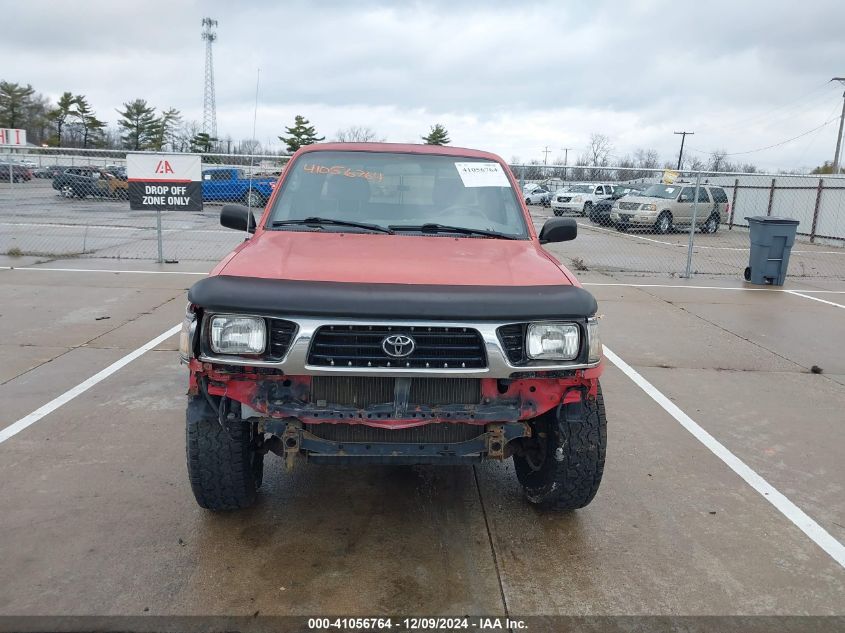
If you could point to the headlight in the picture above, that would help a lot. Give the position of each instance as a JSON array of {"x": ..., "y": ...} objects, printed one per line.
[
  {"x": 186, "y": 336},
  {"x": 577, "y": 198},
  {"x": 648, "y": 207},
  {"x": 231, "y": 334},
  {"x": 594, "y": 355},
  {"x": 555, "y": 341}
]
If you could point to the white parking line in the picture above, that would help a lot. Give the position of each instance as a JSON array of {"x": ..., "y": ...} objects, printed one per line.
[
  {"x": 101, "y": 270},
  {"x": 796, "y": 515},
  {"x": 624, "y": 285},
  {"x": 830, "y": 303},
  {"x": 28, "y": 420}
]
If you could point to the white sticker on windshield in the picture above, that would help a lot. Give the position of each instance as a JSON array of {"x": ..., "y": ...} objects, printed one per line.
[
  {"x": 482, "y": 175},
  {"x": 670, "y": 189}
]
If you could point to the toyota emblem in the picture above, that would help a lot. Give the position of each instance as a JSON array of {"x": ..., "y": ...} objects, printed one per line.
[{"x": 398, "y": 345}]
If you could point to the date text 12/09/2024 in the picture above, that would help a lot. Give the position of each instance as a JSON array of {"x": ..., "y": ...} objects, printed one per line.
[{"x": 417, "y": 624}]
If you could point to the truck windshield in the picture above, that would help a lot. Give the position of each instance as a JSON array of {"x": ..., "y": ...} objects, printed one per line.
[
  {"x": 661, "y": 191},
  {"x": 402, "y": 192}
]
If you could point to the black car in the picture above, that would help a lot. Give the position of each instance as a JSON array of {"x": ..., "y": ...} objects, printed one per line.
[
  {"x": 79, "y": 182},
  {"x": 600, "y": 212}
]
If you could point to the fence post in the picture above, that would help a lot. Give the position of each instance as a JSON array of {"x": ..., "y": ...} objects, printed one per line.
[
  {"x": 158, "y": 232},
  {"x": 816, "y": 210},
  {"x": 692, "y": 225},
  {"x": 771, "y": 197},
  {"x": 733, "y": 205}
]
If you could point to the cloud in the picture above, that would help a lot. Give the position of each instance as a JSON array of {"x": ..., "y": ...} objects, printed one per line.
[{"x": 510, "y": 77}]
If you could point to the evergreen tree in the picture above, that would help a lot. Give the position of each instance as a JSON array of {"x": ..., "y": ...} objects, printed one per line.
[
  {"x": 202, "y": 143},
  {"x": 60, "y": 115},
  {"x": 14, "y": 102},
  {"x": 92, "y": 128},
  {"x": 302, "y": 133},
  {"x": 437, "y": 136},
  {"x": 139, "y": 125},
  {"x": 166, "y": 127}
]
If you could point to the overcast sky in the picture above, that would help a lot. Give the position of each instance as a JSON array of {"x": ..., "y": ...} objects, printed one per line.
[{"x": 510, "y": 77}]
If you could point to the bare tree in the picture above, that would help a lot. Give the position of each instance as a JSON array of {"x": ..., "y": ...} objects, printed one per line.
[
  {"x": 358, "y": 134},
  {"x": 249, "y": 146},
  {"x": 718, "y": 160},
  {"x": 599, "y": 150}
]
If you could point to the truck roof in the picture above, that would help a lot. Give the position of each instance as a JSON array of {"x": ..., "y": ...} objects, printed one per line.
[{"x": 401, "y": 148}]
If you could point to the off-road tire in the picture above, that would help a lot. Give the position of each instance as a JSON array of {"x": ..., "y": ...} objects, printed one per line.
[
  {"x": 572, "y": 481},
  {"x": 224, "y": 469}
]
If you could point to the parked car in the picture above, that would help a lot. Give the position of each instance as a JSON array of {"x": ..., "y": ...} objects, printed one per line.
[
  {"x": 539, "y": 195},
  {"x": 227, "y": 184},
  {"x": 579, "y": 198},
  {"x": 425, "y": 327},
  {"x": 117, "y": 182},
  {"x": 50, "y": 171},
  {"x": 79, "y": 182},
  {"x": 663, "y": 207},
  {"x": 14, "y": 172},
  {"x": 600, "y": 213}
]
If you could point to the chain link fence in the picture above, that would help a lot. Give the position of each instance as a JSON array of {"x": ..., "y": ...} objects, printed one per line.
[
  {"x": 73, "y": 203},
  {"x": 686, "y": 223}
]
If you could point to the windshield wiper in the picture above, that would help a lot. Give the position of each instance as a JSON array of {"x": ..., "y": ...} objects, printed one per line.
[
  {"x": 432, "y": 227},
  {"x": 315, "y": 221}
]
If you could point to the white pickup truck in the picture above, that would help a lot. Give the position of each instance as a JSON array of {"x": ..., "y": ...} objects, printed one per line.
[{"x": 580, "y": 197}]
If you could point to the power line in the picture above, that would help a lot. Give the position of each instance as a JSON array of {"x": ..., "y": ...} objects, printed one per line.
[
  {"x": 760, "y": 149},
  {"x": 787, "y": 109}
]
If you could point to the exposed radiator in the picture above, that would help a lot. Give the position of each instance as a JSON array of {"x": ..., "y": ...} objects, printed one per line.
[{"x": 364, "y": 391}]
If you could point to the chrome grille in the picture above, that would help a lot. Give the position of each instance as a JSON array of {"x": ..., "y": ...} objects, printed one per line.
[
  {"x": 629, "y": 206},
  {"x": 512, "y": 338},
  {"x": 564, "y": 198},
  {"x": 281, "y": 335},
  {"x": 361, "y": 346}
]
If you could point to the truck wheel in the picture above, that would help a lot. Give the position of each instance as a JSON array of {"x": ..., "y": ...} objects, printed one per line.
[
  {"x": 224, "y": 468},
  {"x": 712, "y": 224},
  {"x": 664, "y": 223},
  {"x": 563, "y": 466},
  {"x": 66, "y": 191},
  {"x": 588, "y": 209},
  {"x": 253, "y": 199}
]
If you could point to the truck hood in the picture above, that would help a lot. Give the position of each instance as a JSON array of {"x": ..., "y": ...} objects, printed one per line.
[{"x": 393, "y": 259}]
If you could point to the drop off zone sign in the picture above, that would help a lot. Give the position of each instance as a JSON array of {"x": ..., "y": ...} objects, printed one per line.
[{"x": 164, "y": 182}]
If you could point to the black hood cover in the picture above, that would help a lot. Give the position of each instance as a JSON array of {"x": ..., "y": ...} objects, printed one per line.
[{"x": 284, "y": 297}]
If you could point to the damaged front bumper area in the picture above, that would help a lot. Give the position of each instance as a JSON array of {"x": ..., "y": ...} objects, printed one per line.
[{"x": 398, "y": 420}]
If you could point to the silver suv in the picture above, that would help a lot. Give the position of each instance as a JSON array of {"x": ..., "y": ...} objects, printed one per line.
[{"x": 664, "y": 207}]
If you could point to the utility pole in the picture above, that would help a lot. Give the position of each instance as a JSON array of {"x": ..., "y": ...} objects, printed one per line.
[
  {"x": 546, "y": 155},
  {"x": 681, "y": 154},
  {"x": 565, "y": 160},
  {"x": 837, "y": 155}
]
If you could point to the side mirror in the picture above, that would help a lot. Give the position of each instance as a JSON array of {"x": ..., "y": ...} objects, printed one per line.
[
  {"x": 684, "y": 198},
  {"x": 558, "y": 230},
  {"x": 238, "y": 217}
]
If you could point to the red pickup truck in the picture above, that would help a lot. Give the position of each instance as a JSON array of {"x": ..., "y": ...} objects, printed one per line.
[{"x": 393, "y": 304}]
